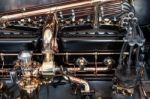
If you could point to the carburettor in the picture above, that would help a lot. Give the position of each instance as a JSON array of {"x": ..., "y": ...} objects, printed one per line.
[{"x": 29, "y": 72}]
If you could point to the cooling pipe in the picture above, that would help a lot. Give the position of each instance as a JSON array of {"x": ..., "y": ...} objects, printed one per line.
[{"x": 79, "y": 81}]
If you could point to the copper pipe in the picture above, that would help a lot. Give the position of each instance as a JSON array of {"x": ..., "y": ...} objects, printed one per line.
[
  {"x": 71, "y": 69},
  {"x": 50, "y": 10},
  {"x": 91, "y": 69},
  {"x": 81, "y": 12},
  {"x": 103, "y": 53},
  {"x": 16, "y": 54},
  {"x": 111, "y": 13},
  {"x": 98, "y": 53},
  {"x": 79, "y": 81}
]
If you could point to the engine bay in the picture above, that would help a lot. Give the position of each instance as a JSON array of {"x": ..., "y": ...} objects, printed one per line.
[{"x": 88, "y": 49}]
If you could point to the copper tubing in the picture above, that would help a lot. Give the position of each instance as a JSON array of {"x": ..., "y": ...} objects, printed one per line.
[
  {"x": 89, "y": 69},
  {"x": 64, "y": 54},
  {"x": 50, "y": 10},
  {"x": 72, "y": 69},
  {"x": 16, "y": 54},
  {"x": 111, "y": 8},
  {"x": 79, "y": 81},
  {"x": 96, "y": 53}
]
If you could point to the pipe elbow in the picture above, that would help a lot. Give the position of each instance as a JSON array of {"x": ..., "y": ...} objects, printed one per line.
[{"x": 79, "y": 81}]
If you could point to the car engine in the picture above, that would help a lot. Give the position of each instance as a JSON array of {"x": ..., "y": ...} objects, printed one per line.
[{"x": 79, "y": 49}]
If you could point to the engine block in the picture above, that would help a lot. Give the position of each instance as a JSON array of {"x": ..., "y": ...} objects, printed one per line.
[{"x": 92, "y": 49}]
